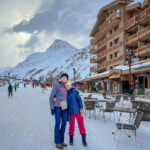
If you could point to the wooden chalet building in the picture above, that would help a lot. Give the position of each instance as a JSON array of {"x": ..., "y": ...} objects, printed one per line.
[{"x": 121, "y": 27}]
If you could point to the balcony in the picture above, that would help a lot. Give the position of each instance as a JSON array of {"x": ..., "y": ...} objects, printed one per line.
[
  {"x": 136, "y": 19},
  {"x": 99, "y": 47},
  {"x": 101, "y": 66},
  {"x": 115, "y": 47},
  {"x": 98, "y": 67},
  {"x": 145, "y": 50},
  {"x": 117, "y": 32},
  {"x": 92, "y": 51},
  {"x": 93, "y": 59},
  {"x": 138, "y": 35},
  {"x": 110, "y": 22},
  {"x": 92, "y": 69},
  {"x": 114, "y": 60},
  {"x": 101, "y": 55}
]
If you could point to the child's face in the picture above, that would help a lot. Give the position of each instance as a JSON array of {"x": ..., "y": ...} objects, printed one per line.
[{"x": 68, "y": 87}]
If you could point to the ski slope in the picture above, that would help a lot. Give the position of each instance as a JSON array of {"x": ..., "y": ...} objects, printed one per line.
[{"x": 26, "y": 124}]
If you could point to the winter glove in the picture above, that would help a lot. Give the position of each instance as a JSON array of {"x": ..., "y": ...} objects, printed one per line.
[
  {"x": 81, "y": 112},
  {"x": 52, "y": 112},
  {"x": 54, "y": 99}
]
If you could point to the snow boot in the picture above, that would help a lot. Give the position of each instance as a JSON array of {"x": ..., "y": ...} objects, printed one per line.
[
  {"x": 71, "y": 140},
  {"x": 84, "y": 140},
  {"x": 59, "y": 146},
  {"x": 64, "y": 144}
]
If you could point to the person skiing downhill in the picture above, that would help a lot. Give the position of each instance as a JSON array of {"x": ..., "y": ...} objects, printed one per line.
[
  {"x": 59, "y": 109},
  {"x": 75, "y": 109}
]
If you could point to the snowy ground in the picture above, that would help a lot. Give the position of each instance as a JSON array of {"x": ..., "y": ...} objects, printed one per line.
[{"x": 26, "y": 124}]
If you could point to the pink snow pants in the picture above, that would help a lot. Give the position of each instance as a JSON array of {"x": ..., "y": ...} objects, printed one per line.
[{"x": 80, "y": 124}]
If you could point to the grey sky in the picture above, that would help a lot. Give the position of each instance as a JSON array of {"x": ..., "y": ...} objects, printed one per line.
[{"x": 31, "y": 26}]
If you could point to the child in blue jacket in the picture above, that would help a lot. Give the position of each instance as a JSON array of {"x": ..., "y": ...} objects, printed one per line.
[{"x": 75, "y": 108}]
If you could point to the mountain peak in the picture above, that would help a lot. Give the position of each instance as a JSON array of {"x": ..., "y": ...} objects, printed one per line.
[{"x": 60, "y": 44}]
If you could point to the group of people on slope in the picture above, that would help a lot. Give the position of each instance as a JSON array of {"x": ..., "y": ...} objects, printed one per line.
[{"x": 66, "y": 105}]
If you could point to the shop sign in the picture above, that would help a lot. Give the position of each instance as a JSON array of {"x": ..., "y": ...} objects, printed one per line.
[
  {"x": 106, "y": 80},
  {"x": 142, "y": 74}
]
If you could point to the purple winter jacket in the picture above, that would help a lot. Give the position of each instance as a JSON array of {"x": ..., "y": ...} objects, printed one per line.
[{"x": 58, "y": 91}]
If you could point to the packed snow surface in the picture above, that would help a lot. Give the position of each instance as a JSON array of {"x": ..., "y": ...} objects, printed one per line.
[{"x": 26, "y": 124}]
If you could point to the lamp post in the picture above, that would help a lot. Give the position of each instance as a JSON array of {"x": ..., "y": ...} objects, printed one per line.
[
  {"x": 74, "y": 73},
  {"x": 9, "y": 76},
  {"x": 130, "y": 73}
]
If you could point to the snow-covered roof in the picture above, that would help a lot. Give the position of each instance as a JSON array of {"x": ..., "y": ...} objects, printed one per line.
[{"x": 141, "y": 64}]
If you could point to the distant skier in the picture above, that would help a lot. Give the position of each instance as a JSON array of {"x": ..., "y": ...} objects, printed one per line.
[
  {"x": 10, "y": 90},
  {"x": 75, "y": 110},
  {"x": 43, "y": 88},
  {"x": 15, "y": 86},
  {"x": 24, "y": 85},
  {"x": 33, "y": 84}
]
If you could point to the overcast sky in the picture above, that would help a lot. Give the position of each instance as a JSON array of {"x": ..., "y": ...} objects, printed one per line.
[{"x": 28, "y": 26}]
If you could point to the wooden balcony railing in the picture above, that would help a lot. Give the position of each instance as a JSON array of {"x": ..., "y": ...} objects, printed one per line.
[
  {"x": 142, "y": 50},
  {"x": 104, "y": 26},
  {"x": 99, "y": 46},
  {"x": 101, "y": 55},
  {"x": 138, "y": 35},
  {"x": 114, "y": 60},
  {"x": 115, "y": 47},
  {"x": 93, "y": 59},
  {"x": 131, "y": 22},
  {"x": 92, "y": 69},
  {"x": 114, "y": 16},
  {"x": 92, "y": 51},
  {"x": 101, "y": 65},
  {"x": 115, "y": 33}
]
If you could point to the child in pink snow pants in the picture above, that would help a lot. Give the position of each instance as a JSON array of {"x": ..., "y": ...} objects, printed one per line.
[{"x": 75, "y": 111}]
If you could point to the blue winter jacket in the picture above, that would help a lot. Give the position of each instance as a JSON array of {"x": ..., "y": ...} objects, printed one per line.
[
  {"x": 10, "y": 88},
  {"x": 74, "y": 101},
  {"x": 58, "y": 91}
]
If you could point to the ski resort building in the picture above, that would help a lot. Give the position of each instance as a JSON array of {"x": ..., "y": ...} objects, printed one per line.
[{"x": 121, "y": 35}]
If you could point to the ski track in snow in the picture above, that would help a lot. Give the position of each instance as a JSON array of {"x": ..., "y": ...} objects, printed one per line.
[{"x": 26, "y": 124}]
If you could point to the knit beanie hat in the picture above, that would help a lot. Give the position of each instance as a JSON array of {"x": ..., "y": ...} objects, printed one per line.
[
  {"x": 68, "y": 83},
  {"x": 64, "y": 74}
]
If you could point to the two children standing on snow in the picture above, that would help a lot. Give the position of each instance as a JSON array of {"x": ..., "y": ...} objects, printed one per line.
[{"x": 70, "y": 109}]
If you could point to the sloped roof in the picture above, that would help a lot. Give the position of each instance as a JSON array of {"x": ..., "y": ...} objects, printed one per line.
[
  {"x": 102, "y": 12},
  {"x": 133, "y": 7}
]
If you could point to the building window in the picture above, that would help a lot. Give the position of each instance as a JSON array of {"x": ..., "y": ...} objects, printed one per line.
[
  {"x": 116, "y": 28},
  {"x": 110, "y": 56},
  {"x": 116, "y": 41},
  {"x": 110, "y": 44},
  {"x": 117, "y": 10},
  {"x": 111, "y": 67},
  {"x": 142, "y": 44},
  {"x": 110, "y": 32},
  {"x": 143, "y": 26},
  {"x": 116, "y": 54},
  {"x": 108, "y": 15}
]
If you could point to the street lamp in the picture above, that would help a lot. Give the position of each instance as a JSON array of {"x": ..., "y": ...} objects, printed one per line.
[
  {"x": 129, "y": 59},
  {"x": 74, "y": 73},
  {"x": 9, "y": 76}
]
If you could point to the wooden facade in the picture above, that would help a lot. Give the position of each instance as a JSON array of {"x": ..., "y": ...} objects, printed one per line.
[{"x": 121, "y": 27}]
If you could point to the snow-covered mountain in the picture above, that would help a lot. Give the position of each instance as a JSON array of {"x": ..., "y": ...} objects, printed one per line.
[{"x": 59, "y": 57}]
